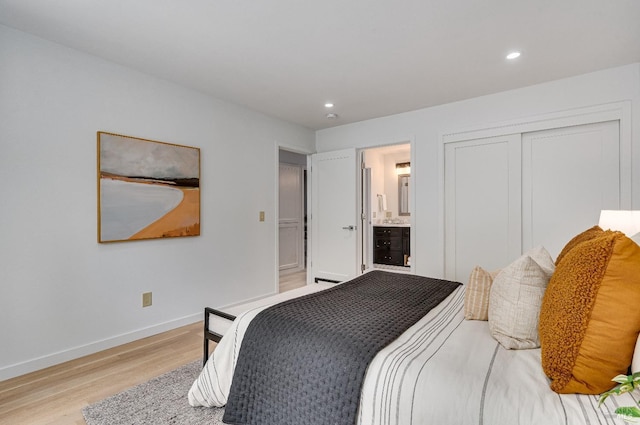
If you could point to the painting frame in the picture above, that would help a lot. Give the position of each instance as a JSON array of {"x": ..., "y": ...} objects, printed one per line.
[{"x": 147, "y": 189}]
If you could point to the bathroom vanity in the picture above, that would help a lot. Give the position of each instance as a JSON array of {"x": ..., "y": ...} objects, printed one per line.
[{"x": 391, "y": 245}]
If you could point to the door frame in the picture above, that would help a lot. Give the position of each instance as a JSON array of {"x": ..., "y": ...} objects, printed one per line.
[
  {"x": 412, "y": 202},
  {"x": 409, "y": 140},
  {"x": 276, "y": 252}
]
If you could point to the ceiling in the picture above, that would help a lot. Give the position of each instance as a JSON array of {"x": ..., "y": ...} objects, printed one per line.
[{"x": 371, "y": 58}]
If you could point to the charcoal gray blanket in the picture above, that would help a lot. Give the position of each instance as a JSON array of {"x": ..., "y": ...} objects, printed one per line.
[{"x": 303, "y": 361}]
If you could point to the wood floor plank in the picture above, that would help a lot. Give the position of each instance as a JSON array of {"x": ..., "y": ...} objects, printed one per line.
[
  {"x": 57, "y": 395},
  {"x": 289, "y": 281}
]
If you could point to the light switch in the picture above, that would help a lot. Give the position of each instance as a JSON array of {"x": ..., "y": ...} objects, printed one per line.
[{"x": 146, "y": 299}]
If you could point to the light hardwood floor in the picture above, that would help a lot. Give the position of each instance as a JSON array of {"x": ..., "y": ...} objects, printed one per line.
[
  {"x": 294, "y": 280},
  {"x": 56, "y": 395}
]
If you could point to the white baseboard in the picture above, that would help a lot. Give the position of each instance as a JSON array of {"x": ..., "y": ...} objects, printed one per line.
[{"x": 39, "y": 363}]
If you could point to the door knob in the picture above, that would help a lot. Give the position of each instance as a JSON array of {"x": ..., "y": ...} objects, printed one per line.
[{"x": 349, "y": 228}]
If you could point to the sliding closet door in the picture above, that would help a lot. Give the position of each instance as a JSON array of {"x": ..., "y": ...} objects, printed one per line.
[
  {"x": 568, "y": 175},
  {"x": 482, "y": 204}
]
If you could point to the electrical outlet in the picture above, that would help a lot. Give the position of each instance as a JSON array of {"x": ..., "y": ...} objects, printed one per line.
[
  {"x": 146, "y": 299},
  {"x": 261, "y": 215},
  {"x": 388, "y": 214}
]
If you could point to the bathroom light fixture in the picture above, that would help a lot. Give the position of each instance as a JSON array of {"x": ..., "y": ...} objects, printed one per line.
[
  {"x": 513, "y": 55},
  {"x": 403, "y": 168}
]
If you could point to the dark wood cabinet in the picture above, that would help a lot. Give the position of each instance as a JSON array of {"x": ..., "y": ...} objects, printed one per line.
[{"x": 391, "y": 245}]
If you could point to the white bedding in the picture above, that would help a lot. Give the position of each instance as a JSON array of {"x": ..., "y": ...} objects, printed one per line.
[
  {"x": 443, "y": 370},
  {"x": 220, "y": 325}
]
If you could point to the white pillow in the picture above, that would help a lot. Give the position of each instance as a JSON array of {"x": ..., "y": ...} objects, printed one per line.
[
  {"x": 541, "y": 256},
  {"x": 635, "y": 363},
  {"x": 516, "y": 297}
]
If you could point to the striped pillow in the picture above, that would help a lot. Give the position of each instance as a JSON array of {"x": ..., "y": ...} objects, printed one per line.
[{"x": 476, "y": 296}]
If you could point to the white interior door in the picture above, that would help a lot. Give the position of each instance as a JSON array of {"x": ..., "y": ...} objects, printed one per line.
[
  {"x": 366, "y": 229},
  {"x": 333, "y": 215}
]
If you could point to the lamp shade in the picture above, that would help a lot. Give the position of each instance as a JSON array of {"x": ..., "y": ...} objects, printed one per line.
[{"x": 625, "y": 221}]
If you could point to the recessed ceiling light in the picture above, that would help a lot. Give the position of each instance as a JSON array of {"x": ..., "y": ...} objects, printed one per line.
[
  {"x": 513, "y": 55},
  {"x": 328, "y": 105},
  {"x": 331, "y": 116}
]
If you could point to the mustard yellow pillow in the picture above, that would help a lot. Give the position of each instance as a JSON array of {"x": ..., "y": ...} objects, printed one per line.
[
  {"x": 588, "y": 234},
  {"x": 590, "y": 315}
]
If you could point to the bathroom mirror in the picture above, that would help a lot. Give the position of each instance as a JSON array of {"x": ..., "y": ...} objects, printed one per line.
[{"x": 403, "y": 194}]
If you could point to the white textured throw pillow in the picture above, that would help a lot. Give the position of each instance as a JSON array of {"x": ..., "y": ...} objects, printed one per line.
[
  {"x": 541, "y": 256},
  {"x": 516, "y": 297}
]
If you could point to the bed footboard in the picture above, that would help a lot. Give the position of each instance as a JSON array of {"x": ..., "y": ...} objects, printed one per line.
[{"x": 209, "y": 335}]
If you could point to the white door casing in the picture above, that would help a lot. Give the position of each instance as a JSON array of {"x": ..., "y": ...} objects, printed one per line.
[{"x": 334, "y": 219}]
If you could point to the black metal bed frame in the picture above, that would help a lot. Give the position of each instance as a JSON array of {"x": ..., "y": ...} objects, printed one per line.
[
  {"x": 212, "y": 336},
  {"x": 216, "y": 337}
]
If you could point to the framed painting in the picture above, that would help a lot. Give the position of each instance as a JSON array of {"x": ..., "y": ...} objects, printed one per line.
[{"x": 146, "y": 189}]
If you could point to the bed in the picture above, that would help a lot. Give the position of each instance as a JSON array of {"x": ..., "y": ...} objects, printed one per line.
[
  {"x": 218, "y": 321},
  {"x": 443, "y": 369}
]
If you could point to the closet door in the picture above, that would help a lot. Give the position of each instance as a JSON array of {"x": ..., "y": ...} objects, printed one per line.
[
  {"x": 482, "y": 204},
  {"x": 568, "y": 175}
]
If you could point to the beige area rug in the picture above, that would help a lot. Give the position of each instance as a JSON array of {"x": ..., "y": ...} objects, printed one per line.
[{"x": 162, "y": 400}]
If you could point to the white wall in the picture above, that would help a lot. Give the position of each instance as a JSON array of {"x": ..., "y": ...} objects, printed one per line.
[
  {"x": 426, "y": 127},
  {"x": 62, "y": 294}
]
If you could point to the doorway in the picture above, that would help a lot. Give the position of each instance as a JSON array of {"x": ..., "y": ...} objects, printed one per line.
[
  {"x": 344, "y": 209},
  {"x": 386, "y": 193},
  {"x": 292, "y": 220}
]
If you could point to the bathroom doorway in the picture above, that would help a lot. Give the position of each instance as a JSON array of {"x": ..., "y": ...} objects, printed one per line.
[{"x": 386, "y": 208}]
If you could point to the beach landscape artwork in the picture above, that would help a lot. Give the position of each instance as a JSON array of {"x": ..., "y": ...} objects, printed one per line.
[{"x": 146, "y": 189}]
